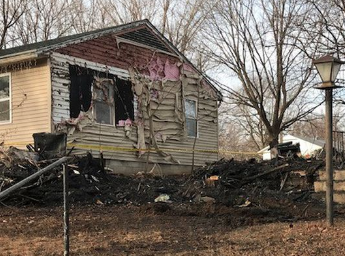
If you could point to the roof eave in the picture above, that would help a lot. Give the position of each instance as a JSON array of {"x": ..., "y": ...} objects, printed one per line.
[
  {"x": 19, "y": 56},
  {"x": 91, "y": 36}
]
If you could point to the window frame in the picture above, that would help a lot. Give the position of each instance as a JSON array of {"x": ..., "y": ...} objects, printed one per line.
[
  {"x": 9, "y": 98},
  {"x": 192, "y": 118},
  {"x": 111, "y": 107}
]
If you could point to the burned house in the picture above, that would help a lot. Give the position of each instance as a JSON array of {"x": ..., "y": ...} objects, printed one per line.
[{"x": 124, "y": 91}]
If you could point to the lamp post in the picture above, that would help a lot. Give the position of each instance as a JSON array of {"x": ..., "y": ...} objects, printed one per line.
[{"x": 328, "y": 68}]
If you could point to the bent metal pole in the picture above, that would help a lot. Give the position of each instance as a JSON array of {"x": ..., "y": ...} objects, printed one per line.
[{"x": 31, "y": 177}]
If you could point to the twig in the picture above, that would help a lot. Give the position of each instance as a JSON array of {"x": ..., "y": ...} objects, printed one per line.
[
  {"x": 28, "y": 197},
  {"x": 282, "y": 184},
  {"x": 70, "y": 151},
  {"x": 304, "y": 212}
]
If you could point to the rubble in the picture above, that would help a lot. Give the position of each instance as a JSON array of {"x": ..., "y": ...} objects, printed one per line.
[{"x": 249, "y": 186}]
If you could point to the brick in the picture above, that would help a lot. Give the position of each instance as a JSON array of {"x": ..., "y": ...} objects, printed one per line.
[
  {"x": 338, "y": 175},
  {"x": 339, "y": 198},
  {"x": 319, "y": 186}
]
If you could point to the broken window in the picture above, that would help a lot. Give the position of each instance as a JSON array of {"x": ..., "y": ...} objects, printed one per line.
[
  {"x": 80, "y": 90},
  {"x": 113, "y": 98},
  {"x": 124, "y": 97},
  {"x": 191, "y": 118},
  {"x": 5, "y": 98},
  {"x": 103, "y": 102}
]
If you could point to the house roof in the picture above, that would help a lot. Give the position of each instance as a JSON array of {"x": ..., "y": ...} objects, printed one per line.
[
  {"x": 140, "y": 36},
  {"x": 142, "y": 32},
  {"x": 320, "y": 143}
]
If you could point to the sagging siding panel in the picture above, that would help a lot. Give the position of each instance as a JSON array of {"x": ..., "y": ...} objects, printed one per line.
[
  {"x": 168, "y": 117},
  {"x": 30, "y": 105}
]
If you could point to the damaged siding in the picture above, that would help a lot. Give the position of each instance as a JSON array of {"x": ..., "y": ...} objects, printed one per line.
[
  {"x": 60, "y": 90},
  {"x": 61, "y": 82},
  {"x": 169, "y": 122},
  {"x": 84, "y": 131},
  {"x": 30, "y": 105},
  {"x": 160, "y": 85}
]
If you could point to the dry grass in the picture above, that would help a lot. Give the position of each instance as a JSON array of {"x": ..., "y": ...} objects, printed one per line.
[{"x": 132, "y": 231}]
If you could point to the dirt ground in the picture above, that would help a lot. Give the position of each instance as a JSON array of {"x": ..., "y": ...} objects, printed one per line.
[
  {"x": 165, "y": 229},
  {"x": 228, "y": 207}
]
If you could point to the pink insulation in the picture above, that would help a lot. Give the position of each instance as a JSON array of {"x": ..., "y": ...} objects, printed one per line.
[
  {"x": 163, "y": 70},
  {"x": 188, "y": 67},
  {"x": 156, "y": 69},
  {"x": 172, "y": 72}
]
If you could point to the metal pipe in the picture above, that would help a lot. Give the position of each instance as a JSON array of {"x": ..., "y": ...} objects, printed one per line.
[
  {"x": 329, "y": 158},
  {"x": 31, "y": 177}
]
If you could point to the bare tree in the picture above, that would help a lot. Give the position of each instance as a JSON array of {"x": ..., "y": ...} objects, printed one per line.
[
  {"x": 11, "y": 12},
  {"x": 91, "y": 14},
  {"x": 124, "y": 11},
  {"x": 236, "y": 134},
  {"x": 312, "y": 127},
  {"x": 327, "y": 19},
  {"x": 180, "y": 22},
  {"x": 43, "y": 20},
  {"x": 264, "y": 49}
]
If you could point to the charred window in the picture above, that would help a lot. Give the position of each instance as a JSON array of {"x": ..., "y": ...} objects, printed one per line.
[
  {"x": 112, "y": 98},
  {"x": 103, "y": 100},
  {"x": 80, "y": 90},
  {"x": 124, "y": 107}
]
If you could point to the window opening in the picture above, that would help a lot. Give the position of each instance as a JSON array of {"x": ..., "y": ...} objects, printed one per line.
[
  {"x": 80, "y": 90},
  {"x": 124, "y": 101},
  {"x": 112, "y": 98},
  {"x": 103, "y": 102},
  {"x": 191, "y": 118}
]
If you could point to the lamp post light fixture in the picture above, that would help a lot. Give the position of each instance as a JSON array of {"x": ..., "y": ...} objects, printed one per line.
[{"x": 328, "y": 68}]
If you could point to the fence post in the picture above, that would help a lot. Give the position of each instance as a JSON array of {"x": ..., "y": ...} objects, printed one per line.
[{"x": 66, "y": 210}]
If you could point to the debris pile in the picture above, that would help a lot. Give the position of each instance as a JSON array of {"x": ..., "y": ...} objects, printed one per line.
[
  {"x": 88, "y": 182},
  {"x": 228, "y": 183},
  {"x": 236, "y": 174}
]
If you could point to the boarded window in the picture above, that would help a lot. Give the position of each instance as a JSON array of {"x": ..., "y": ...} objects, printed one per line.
[
  {"x": 103, "y": 102},
  {"x": 191, "y": 118},
  {"x": 5, "y": 98}
]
